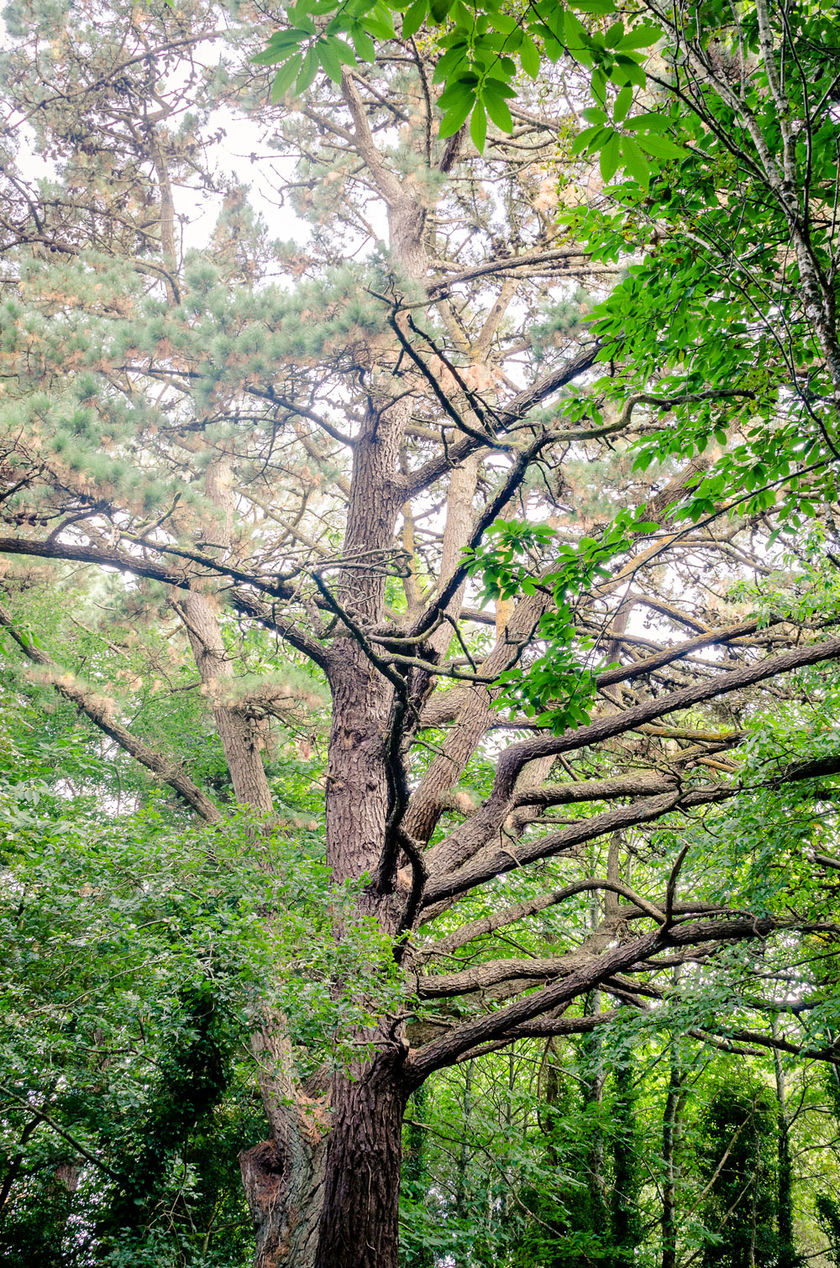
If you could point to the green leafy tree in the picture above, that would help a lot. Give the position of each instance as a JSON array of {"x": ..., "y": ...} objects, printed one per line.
[{"x": 738, "y": 1163}]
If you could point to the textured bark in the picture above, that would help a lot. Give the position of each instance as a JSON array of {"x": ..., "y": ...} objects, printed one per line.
[
  {"x": 359, "y": 1221},
  {"x": 284, "y": 1190},
  {"x": 784, "y": 1194},
  {"x": 239, "y": 734},
  {"x": 283, "y": 1176}
]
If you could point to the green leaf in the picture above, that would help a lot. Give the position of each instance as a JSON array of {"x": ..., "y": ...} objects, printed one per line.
[
  {"x": 498, "y": 87},
  {"x": 610, "y": 157},
  {"x": 599, "y": 85},
  {"x": 458, "y": 90},
  {"x": 279, "y": 48},
  {"x": 635, "y": 162},
  {"x": 285, "y": 77},
  {"x": 454, "y": 118},
  {"x": 380, "y": 29},
  {"x": 345, "y": 53},
  {"x": 498, "y": 110},
  {"x": 414, "y": 18},
  {"x": 593, "y": 6},
  {"x": 363, "y": 44},
  {"x": 439, "y": 10},
  {"x": 308, "y": 71},
  {"x": 529, "y": 56},
  {"x": 329, "y": 59},
  {"x": 641, "y": 36},
  {"x": 590, "y": 138},
  {"x": 623, "y": 102},
  {"x": 662, "y": 147},
  {"x": 554, "y": 16},
  {"x": 478, "y": 127},
  {"x": 450, "y": 61},
  {"x": 575, "y": 35},
  {"x": 626, "y": 71},
  {"x": 647, "y": 123}
]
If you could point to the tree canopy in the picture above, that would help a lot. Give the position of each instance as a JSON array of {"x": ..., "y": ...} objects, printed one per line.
[{"x": 419, "y": 603}]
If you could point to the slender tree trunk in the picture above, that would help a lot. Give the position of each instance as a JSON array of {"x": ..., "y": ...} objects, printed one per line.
[
  {"x": 626, "y": 1232},
  {"x": 463, "y": 1153},
  {"x": 415, "y": 1168},
  {"x": 787, "y": 1252},
  {"x": 593, "y": 1090},
  {"x": 670, "y": 1140}
]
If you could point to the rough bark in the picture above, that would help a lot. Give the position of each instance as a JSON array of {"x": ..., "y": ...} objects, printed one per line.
[{"x": 359, "y": 1226}]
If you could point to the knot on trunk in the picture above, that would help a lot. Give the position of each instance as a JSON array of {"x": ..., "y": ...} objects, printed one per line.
[{"x": 263, "y": 1170}]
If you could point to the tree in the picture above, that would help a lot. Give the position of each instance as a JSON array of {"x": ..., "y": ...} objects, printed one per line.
[
  {"x": 740, "y": 1207},
  {"x": 288, "y": 478}
]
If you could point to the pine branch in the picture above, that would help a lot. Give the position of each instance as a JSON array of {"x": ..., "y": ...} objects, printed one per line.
[{"x": 99, "y": 713}]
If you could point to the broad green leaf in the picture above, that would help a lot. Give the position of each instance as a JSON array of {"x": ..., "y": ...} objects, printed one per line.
[
  {"x": 647, "y": 123},
  {"x": 414, "y": 18},
  {"x": 329, "y": 58},
  {"x": 529, "y": 56},
  {"x": 574, "y": 33},
  {"x": 627, "y": 71},
  {"x": 593, "y": 6},
  {"x": 661, "y": 146},
  {"x": 279, "y": 48},
  {"x": 451, "y": 59},
  {"x": 455, "y": 117},
  {"x": 364, "y": 45},
  {"x": 552, "y": 14},
  {"x": 478, "y": 127},
  {"x": 380, "y": 22},
  {"x": 458, "y": 91},
  {"x": 623, "y": 102},
  {"x": 635, "y": 162},
  {"x": 439, "y": 10},
  {"x": 379, "y": 28},
  {"x": 308, "y": 71},
  {"x": 641, "y": 36},
  {"x": 599, "y": 85},
  {"x": 498, "y": 87},
  {"x": 498, "y": 110},
  {"x": 285, "y": 77},
  {"x": 590, "y": 138},
  {"x": 610, "y": 157},
  {"x": 345, "y": 53}
]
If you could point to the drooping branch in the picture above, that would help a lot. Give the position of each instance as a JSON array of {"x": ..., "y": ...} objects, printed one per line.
[
  {"x": 141, "y": 566},
  {"x": 101, "y": 714}
]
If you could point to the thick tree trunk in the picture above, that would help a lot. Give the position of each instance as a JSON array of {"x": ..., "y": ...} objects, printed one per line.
[
  {"x": 284, "y": 1182},
  {"x": 361, "y": 1192}
]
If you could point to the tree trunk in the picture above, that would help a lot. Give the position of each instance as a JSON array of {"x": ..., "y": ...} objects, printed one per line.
[
  {"x": 670, "y": 1137},
  {"x": 624, "y": 1216},
  {"x": 359, "y": 1219},
  {"x": 283, "y": 1182},
  {"x": 787, "y": 1250},
  {"x": 329, "y": 1199}
]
